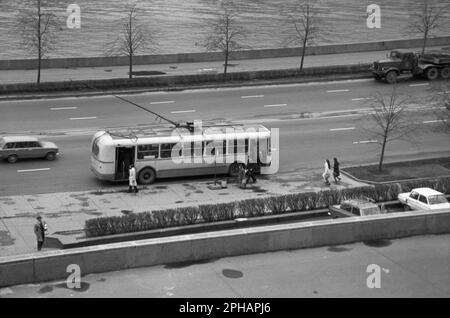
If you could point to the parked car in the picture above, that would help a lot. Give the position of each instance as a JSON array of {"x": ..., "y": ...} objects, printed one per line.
[
  {"x": 13, "y": 148},
  {"x": 424, "y": 199},
  {"x": 354, "y": 207}
]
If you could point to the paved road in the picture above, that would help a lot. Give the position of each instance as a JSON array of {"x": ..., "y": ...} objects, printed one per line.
[
  {"x": 410, "y": 267},
  {"x": 304, "y": 142}
]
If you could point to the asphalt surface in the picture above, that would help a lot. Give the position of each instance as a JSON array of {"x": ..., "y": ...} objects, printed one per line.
[
  {"x": 409, "y": 267},
  {"x": 331, "y": 126}
]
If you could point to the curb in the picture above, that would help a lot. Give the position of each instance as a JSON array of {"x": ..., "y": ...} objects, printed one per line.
[{"x": 387, "y": 182}]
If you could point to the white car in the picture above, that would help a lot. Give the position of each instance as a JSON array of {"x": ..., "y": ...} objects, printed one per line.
[{"x": 424, "y": 199}]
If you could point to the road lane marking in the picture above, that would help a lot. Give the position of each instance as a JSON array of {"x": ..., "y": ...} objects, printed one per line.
[
  {"x": 32, "y": 170},
  {"x": 421, "y": 84},
  {"x": 362, "y": 98},
  {"x": 252, "y": 96},
  {"x": 162, "y": 102},
  {"x": 81, "y": 118},
  {"x": 434, "y": 121},
  {"x": 62, "y": 108},
  {"x": 339, "y": 129},
  {"x": 365, "y": 142},
  {"x": 183, "y": 111},
  {"x": 276, "y": 105},
  {"x": 338, "y": 90}
]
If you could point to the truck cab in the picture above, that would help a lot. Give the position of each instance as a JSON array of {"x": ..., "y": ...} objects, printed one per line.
[{"x": 396, "y": 63}]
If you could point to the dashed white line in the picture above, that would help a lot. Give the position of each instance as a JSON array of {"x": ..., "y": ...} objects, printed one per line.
[
  {"x": 338, "y": 90},
  {"x": 62, "y": 108},
  {"x": 421, "y": 84},
  {"x": 339, "y": 129},
  {"x": 252, "y": 96},
  {"x": 434, "y": 121},
  {"x": 276, "y": 105},
  {"x": 162, "y": 102},
  {"x": 32, "y": 170},
  {"x": 183, "y": 111},
  {"x": 362, "y": 98},
  {"x": 365, "y": 142},
  {"x": 81, "y": 118}
]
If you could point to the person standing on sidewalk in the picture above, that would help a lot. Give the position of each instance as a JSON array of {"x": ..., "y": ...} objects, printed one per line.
[
  {"x": 39, "y": 231},
  {"x": 336, "y": 171},
  {"x": 241, "y": 176},
  {"x": 132, "y": 179},
  {"x": 327, "y": 172}
]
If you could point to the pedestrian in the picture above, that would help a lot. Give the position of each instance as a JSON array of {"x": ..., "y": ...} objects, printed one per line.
[
  {"x": 39, "y": 230},
  {"x": 336, "y": 171},
  {"x": 241, "y": 176},
  {"x": 132, "y": 179},
  {"x": 327, "y": 172},
  {"x": 251, "y": 173}
]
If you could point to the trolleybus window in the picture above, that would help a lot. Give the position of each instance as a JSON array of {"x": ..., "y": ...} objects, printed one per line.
[
  {"x": 166, "y": 150},
  {"x": 148, "y": 151}
]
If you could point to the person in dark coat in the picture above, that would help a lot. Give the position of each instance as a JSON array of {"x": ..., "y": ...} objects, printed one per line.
[
  {"x": 336, "y": 171},
  {"x": 39, "y": 231},
  {"x": 241, "y": 176},
  {"x": 251, "y": 173}
]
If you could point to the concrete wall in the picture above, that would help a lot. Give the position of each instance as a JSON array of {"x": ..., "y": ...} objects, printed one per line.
[
  {"x": 215, "y": 56},
  {"x": 52, "y": 265}
]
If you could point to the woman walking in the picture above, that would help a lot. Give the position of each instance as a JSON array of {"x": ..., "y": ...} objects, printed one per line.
[
  {"x": 336, "y": 171},
  {"x": 327, "y": 172}
]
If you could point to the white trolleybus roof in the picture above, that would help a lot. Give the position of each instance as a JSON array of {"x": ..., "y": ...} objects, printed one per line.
[{"x": 129, "y": 136}]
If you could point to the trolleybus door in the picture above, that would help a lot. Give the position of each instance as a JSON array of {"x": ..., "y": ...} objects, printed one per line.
[{"x": 124, "y": 157}]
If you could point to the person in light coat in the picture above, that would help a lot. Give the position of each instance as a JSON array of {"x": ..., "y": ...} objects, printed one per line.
[
  {"x": 132, "y": 179},
  {"x": 327, "y": 172}
]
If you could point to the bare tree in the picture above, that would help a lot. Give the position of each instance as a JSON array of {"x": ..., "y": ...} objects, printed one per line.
[
  {"x": 428, "y": 19},
  {"x": 387, "y": 121},
  {"x": 308, "y": 24},
  {"x": 38, "y": 28},
  {"x": 135, "y": 37},
  {"x": 227, "y": 33}
]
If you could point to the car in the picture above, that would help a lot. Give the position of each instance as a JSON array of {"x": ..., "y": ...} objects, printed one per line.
[
  {"x": 424, "y": 199},
  {"x": 354, "y": 207},
  {"x": 13, "y": 148}
]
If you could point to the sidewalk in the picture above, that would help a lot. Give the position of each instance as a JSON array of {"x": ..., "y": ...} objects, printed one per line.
[
  {"x": 67, "y": 74},
  {"x": 66, "y": 212}
]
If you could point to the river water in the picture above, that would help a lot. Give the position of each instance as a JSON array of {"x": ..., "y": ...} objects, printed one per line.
[{"x": 181, "y": 26}]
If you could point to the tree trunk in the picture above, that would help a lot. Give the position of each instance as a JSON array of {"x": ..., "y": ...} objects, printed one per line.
[
  {"x": 303, "y": 58},
  {"x": 305, "y": 40},
  {"x": 38, "y": 80},
  {"x": 225, "y": 66},
  {"x": 383, "y": 147},
  {"x": 130, "y": 74},
  {"x": 425, "y": 38}
]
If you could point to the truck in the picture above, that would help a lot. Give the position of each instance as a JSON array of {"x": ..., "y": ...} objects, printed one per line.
[{"x": 430, "y": 65}]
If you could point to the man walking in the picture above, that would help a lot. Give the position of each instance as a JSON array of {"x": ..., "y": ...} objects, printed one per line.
[
  {"x": 336, "y": 171},
  {"x": 132, "y": 179},
  {"x": 251, "y": 173},
  {"x": 39, "y": 231}
]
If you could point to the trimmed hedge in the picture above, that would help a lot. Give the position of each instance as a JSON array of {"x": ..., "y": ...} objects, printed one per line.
[{"x": 287, "y": 203}]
